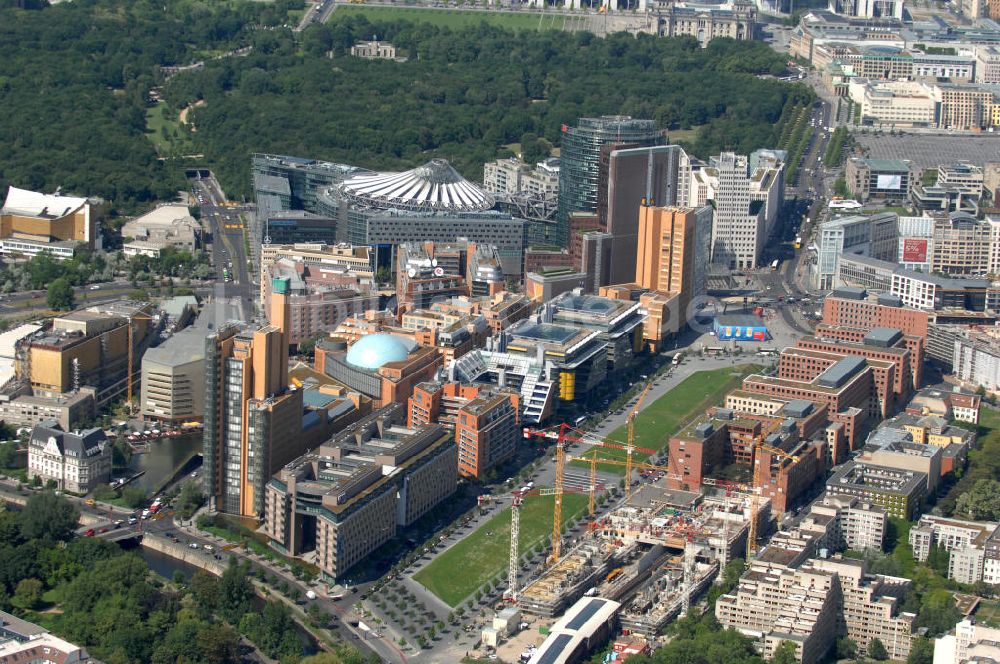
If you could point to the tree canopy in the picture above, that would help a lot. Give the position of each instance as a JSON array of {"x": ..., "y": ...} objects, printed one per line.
[{"x": 464, "y": 94}]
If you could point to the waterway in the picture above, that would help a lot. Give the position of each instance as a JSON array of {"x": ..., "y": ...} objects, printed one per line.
[{"x": 164, "y": 458}]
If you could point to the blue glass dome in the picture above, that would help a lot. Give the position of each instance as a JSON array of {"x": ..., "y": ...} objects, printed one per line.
[{"x": 373, "y": 350}]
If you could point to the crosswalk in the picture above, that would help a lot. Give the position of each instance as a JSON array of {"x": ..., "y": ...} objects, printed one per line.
[{"x": 579, "y": 482}]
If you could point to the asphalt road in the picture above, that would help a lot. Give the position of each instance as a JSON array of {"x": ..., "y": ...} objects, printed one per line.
[{"x": 228, "y": 244}]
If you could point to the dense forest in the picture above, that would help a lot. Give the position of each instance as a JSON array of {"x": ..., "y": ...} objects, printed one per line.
[
  {"x": 76, "y": 79},
  {"x": 464, "y": 94},
  {"x": 74, "y": 88}
]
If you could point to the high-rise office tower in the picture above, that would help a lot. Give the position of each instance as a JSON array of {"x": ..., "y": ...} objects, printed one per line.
[
  {"x": 579, "y": 159},
  {"x": 656, "y": 176},
  {"x": 672, "y": 251},
  {"x": 253, "y": 422}
]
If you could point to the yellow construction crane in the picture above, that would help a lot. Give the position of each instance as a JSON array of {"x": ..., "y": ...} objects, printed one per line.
[
  {"x": 758, "y": 483},
  {"x": 630, "y": 446},
  {"x": 131, "y": 350}
]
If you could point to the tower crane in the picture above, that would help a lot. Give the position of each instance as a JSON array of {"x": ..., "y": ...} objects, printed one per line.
[
  {"x": 515, "y": 532},
  {"x": 630, "y": 428},
  {"x": 131, "y": 350}
]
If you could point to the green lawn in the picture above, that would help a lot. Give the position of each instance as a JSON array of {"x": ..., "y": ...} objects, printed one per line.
[
  {"x": 658, "y": 421},
  {"x": 465, "y": 567},
  {"x": 457, "y": 18},
  {"x": 159, "y": 120},
  {"x": 988, "y": 612}
]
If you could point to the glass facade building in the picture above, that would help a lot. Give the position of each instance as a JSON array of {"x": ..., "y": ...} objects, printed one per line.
[{"x": 580, "y": 160}]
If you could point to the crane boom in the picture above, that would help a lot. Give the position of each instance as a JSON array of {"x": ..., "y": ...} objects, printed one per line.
[{"x": 630, "y": 428}]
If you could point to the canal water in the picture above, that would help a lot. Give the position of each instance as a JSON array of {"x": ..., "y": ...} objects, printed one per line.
[{"x": 164, "y": 458}]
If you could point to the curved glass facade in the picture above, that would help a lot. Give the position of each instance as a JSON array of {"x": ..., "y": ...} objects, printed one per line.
[{"x": 579, "y": 158}]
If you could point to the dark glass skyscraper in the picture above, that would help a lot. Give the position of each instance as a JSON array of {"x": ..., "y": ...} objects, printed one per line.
[{"x": 579, "y": 161}]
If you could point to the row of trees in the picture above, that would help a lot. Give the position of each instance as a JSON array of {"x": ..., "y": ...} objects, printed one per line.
[{"x": 465, "y": 93}]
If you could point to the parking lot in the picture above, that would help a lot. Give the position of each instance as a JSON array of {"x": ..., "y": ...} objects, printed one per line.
[{"x": 928, "y": 151}]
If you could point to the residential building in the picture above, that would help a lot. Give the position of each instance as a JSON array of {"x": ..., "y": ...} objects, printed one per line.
[
  {"x": 976, "y": 358},
  {"x": 968, "y": 642},
  {"x": 900, "y": 492},
  {"x": 872, "y": 236},
  {"x": 962, "y": 246},
  {"x": 486, "y": 433},
  {"x": 579, "y": 162},
  {"x": 169, "y": 225},
  {"x": 735, "y": 20},
  {"x": 746, "y": 205},
  {"x": 68, "y": 410},
  {"x": 32, "y": 222},
  {"x": 988, "y": 64},
  {"x": 907, "y": 455},
  {"x": 965, "y": 541},
  {"x": 879, "y": 178},
  {"x": 513, "y": 176},
  {"x": 344, "y": 500},
  {"x": 814, "y": 604},
  {"x": 76, "y": 461},
  {"x": 172, "y": 388},
  {"x": 912, "y": 289},
  {"x": 319, "y": 298},
  {"x": 25, "y": 642},
  {"x": 856, "y": 525},
  {"x": 855, "y": 308}
]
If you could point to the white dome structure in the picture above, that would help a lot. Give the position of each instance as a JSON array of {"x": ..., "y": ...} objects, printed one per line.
[
  {"x": 433, "y": 187},
  {"x": 372, "y": 351}
]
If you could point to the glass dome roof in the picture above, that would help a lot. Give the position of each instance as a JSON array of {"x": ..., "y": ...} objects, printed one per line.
[{"x": 374, "y": 350}]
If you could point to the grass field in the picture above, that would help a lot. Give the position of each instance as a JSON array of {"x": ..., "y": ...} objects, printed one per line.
[
  {"x": 658, "y": 421},
  {"x": 458, "y": 18},
  {"x": 988, "y": 612},
  {"x": 465, "y": 567},
  {"x": 165, "y": 130}
]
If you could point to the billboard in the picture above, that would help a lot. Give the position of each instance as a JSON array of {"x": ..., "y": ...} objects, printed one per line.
[
  {"x": 914, "y": 250},
  {"x": 741, "y": 333},
  {"x": 894, "y": 182}
]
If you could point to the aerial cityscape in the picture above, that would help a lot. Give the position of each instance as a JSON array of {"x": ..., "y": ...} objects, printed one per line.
[{"x": 525, "y": 331}]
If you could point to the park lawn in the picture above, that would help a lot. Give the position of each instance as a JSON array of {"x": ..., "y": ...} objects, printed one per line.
[
  {"x": 464, "y": 568},
  {"x": 988, "y": 612},
  {"x": 158, "y": 118},
  {"x": 658, "y": 421},
  {"x": 458, "y": 18}
]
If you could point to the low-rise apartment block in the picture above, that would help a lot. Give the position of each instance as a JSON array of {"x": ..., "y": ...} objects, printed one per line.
[
  {"x": 965, "y": 541},
  {"x": 814, "y": 604},
  {"x": 900, "y": 492},
  {"x": 347, "y": 498},
  {"x": 968, "y": 642}
]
